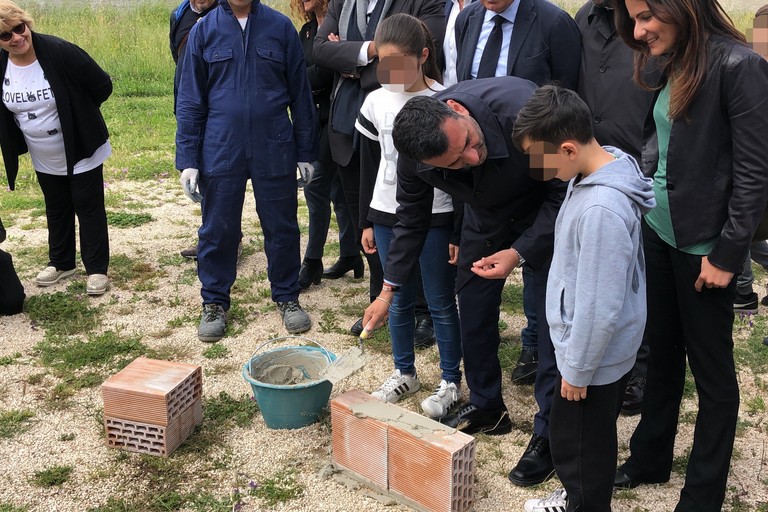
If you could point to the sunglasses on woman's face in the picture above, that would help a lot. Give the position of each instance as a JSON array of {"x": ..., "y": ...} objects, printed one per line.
[{"x": 18, "y": 29}]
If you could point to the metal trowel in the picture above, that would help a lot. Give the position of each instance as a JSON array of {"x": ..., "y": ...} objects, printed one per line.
[{"x": 345, "y": 365}]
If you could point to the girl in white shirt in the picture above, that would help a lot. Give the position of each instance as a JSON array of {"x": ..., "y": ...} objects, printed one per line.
[{"x": 406, "y": 66}]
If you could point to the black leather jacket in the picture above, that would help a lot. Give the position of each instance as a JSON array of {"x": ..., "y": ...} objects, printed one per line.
[{"x": 717, "y": 164}]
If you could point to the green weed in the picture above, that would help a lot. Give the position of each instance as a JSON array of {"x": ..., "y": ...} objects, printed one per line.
[
  {"x": 128, "y": 220},
  {"x": 14, "y": 422},
  {"x": 62, "y": 313},
  {"x": 512, "y": 299},
  {"x": 755, "y": 405},
  {"x": 216, "y": 351},
  {"x": 223, "y": 410},
  {"x": 9, "y": 360},
  {"x": 10, "y": 507},
  {"x": 129, "y": 273},
  {"x": 277, "y": 489},
  {"x": 101, "y": 351},
  {"x": 67, "y": 437},
  {"x": 52, "y": 477}
]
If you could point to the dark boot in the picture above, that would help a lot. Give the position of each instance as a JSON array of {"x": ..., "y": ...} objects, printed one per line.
[
  {"x": 310, "y": 273},
  {"x": 344, "y": 265},
  {"x": 527, "y": 364}
]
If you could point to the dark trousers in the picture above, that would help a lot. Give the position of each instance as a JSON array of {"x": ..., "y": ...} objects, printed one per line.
[
  {"x": 11, "y": 290},
  {"x": 582, "y": 436},
  {"x": 324, "y": 189},
  {"x": 276, "y": 206},
  {"x": 479, "y": 301},
  {"x": 81, "y": 195},
  {"x": 350, "y": 183},
  {"x": 683, "y": 322}
]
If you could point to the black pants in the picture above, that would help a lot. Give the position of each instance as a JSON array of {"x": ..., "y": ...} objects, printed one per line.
[
  {"x": 81, "y": 195},
  {"x": 683, "y": 322},
  {"x": 11, "y": 290},
  {"x": 582, "y": 437},
  {"x": 479, "y": 301},
  {"x": 350, "y": 184}
]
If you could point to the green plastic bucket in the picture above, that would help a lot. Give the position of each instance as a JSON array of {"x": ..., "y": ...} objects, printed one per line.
[{"x": 286, "y": 383}]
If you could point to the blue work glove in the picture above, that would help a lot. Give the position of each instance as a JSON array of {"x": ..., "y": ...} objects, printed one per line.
[
  {"x": 189, "y": 179},
  {"x": 307, "y": 171}
]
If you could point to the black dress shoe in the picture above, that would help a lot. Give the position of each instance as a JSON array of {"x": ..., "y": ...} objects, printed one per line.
[
  {"x": 344, "y": 265},
  {"x": 190, "y": 254},
  {"x": 424, "y": 332},
  {"x": 310, "y": 273},
  {"x": 357, "y": 327},
  {"x": 470, "y": 419},
  {"x": 527, "y": 365},
  {"x": 633, "y": 396},
  {"x": 535, "y": 466},
  {"x": 622, "y": 481}
]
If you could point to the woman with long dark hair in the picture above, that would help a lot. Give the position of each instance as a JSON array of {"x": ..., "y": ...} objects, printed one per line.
[{"x": 705, "y": 141}]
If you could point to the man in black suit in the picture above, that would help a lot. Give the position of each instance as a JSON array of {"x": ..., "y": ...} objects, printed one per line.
[
  {"x": 539, "y": 41},
  {"x": 460, "y": 141}
]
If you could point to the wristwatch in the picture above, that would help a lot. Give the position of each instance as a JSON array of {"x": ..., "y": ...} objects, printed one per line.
[{"x": 521, "y": 260}]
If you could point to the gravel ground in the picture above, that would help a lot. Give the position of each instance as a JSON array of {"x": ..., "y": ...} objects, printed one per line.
[{"x": 255, "y": 452}]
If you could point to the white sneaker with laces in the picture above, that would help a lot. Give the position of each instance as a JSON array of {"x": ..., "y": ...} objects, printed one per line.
[
  {"x": 555, "y": 502},
  {"x": 396, "y": 387},
  {"x": 97, "y": 284},
  {"x": 51, "y": 275},
  {"x": 440, "y": 402}
]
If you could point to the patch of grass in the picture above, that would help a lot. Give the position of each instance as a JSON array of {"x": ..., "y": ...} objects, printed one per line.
[
  {"x": 14, "y": 422},
  {"x": 170, "y": 352},
  {"x": 101, "y": 350},
  {"x": 67, "y": 437},
  {"x": 116, "y": 505},
  {"x": 755, "y": 405},
  {"x": 280, "y": 488},
  {"x": 128, "y": 220},
  {"x": 181, "y": 321},
  {"x": 10, "y": 507},
  {"x": 512, "y": 299},
  {"x": 52, "y": 477},
  {"x": 129, "y": 273},
  {"x": 62, "y": 313},
  {"x": 680, "y": 464},
  {"x": 509, "y": 353},
  {"x": 751, "y": 353},
  {"x": 9, "y": 360},
  {"x": 224, "y": 410},
  {"x": 329, "y": 321},
  {"x": 216, "y": 351}
]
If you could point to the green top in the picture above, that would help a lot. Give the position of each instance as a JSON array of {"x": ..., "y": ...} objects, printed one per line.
[{"x": 660, "y": 218}]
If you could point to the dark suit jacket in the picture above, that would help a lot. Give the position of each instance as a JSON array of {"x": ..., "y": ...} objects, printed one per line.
[
  {"x": 717, "y": 177},
  {"x": 341, "y": 56},
  {"x": 503, "y": 205},
  {"x": 545, "y": 46}
]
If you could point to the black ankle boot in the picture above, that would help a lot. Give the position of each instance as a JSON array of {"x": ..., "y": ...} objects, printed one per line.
[
  {"x": 310, "y": 273},
  {"x": 344, "y": 265}
]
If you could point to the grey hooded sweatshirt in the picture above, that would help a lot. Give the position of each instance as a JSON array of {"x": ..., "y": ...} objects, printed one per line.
[{"x": 596, "y": 289}]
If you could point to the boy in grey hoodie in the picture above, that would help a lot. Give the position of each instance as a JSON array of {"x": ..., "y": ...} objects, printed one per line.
[{"x": 596, "y": 305}]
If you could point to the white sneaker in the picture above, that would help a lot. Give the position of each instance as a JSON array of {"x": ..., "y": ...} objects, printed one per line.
[
  {"x": 440, "y": 402},
  {"x": 51, "y": 275},
  {"x": 97, "y": 284},
  {"x": 555, "y": 502},
  {"x": 396, "y": 387}
]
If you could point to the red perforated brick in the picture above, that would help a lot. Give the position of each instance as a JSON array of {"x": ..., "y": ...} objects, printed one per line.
[
  {"x": 161, "y": 440},
  {"x": 426, "y": 464},
  {"x": 152, "y": 391},
  {"x": 359, "y": 444}
]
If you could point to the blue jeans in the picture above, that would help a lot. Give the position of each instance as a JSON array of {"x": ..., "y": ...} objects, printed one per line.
[
  {"x": 529, "y": 334},
  {"x": 439, "y": 279},
  {"x": 321, "y": 191}
]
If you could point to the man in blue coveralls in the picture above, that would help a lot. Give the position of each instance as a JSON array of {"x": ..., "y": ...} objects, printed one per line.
[{"x": 243, "y": 71}]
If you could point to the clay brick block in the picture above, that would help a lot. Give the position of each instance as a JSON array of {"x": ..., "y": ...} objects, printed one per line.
[
  {"x": 153, "y": 439},
  {"x": 434, "y": 468},
  {"x": 152, "y": 391},
  {"x": 358, "y": 444},
  {"x": 427, "y": 464}
]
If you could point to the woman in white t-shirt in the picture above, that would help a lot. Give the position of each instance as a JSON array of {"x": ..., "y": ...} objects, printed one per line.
[
  {"x": 51, "y": 92},
  {"x": 406, "y": 67}
]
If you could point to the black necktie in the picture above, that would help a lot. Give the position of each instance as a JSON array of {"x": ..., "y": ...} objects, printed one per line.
[{"x": 492, "y": 51}]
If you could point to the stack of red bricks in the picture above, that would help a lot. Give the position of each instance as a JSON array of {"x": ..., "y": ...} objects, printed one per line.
[
  {"x": 415, "y": 459},
  {"x": 152, "y": 406}
]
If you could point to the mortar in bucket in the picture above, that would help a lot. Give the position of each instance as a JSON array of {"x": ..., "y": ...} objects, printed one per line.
[{"x": 286, "y": 382}]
